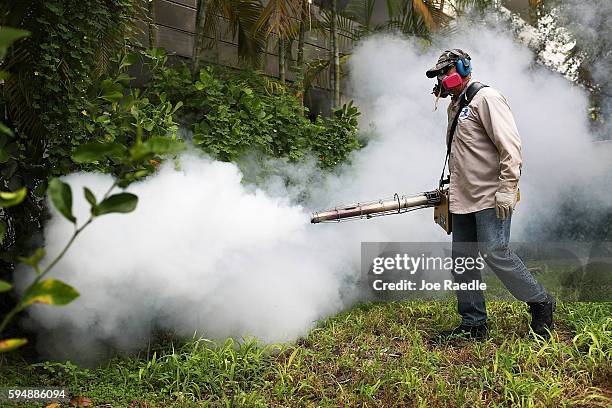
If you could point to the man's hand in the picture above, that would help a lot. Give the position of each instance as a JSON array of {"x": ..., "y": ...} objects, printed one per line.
[{"x": 504, "y": 204}]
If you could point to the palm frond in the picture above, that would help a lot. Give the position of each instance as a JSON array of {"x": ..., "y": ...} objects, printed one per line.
[
  {"x": 414, "y": 17},
  {"x": 460, "y": 6},
  {"x": 425, "y": 12},
  {"x": 273, "y": 87},
  {"x": 241, "y": 17},
  {"x": 251, "y": 44},
  {"x": 112, "y": 36},
  {"x": 313, "y": 69},
  {"x": 18, "y": 91},
  {"x": 360, "y": 11},
  {"x": 316, "y": 67},
  {"x": 278, "y": 16},
  {"x": 345, "y": 25}
]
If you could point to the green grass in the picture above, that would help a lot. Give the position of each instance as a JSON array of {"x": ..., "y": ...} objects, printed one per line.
[{"x": 375, "y": 355}]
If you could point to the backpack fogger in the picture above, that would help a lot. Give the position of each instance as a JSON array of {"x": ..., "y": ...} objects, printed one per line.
[
  {"x": 439, "y": 198},
  {"x": 397, "y": 205}
]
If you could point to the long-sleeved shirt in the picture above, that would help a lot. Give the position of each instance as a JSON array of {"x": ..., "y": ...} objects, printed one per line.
[{"x": 486, "y": 152}]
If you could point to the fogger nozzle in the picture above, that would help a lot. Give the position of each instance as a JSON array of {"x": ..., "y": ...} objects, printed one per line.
[{"x": 396, "y": 205}]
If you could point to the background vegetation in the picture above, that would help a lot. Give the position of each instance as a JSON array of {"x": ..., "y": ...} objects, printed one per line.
[
  {"x": 68, "y": 103},
  {"x": 377, "y": 355},
  {"x": 232, "y": 113}
]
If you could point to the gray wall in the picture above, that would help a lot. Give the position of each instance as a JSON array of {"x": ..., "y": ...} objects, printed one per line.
[{"x": 175, "y": 22}]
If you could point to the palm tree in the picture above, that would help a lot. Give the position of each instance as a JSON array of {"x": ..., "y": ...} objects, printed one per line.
[
  {"x": 413, "y": 17},
  {"x": 278, "y": 17},
  {"x": 198, "y": 42},
  {"x": 308, "y": 21},
  {"x": 241, "y": 16},
  {"x": 335, "y": 55},
  {"x": 362, "y": 11},
  {"x": 152, "y": 25},
  {"x": 304, "y": 16},
  {"x": 330, "y": 25}
]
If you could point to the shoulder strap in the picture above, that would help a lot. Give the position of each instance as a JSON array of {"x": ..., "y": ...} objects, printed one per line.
[
  {"x": 472, "y": 91},
  {"x": 465, "y": 100}
]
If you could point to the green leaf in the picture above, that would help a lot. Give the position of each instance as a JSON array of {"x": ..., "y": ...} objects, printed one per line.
[
  {"x": 117, "y": 203},
  {"x": 130, "y": 59},
  {"x": 49, "y": 292},
  {"x": 11, "y": 344},
  {"x": 3, "y": 140},
  {"x": 5, "y": 286},
  {"x": 61, "y": 197},
  {"x": 155, "y": 146},
  {"x": 41, "y": 189},
  {"x": 96, "y": 151},
  {"x": 9, "y": 199},
  {"x": 9, "y": 170},
  {"x": 90, "y": 197},
  {"x": 124, "y": 79},
  {"x": 132, "y": 176},
  {"x": 4, "y": 156},
  {"x": 2, "y": 231},
  {"x": 8, "y": 35},
  {"x": 34, "y": 260},
  {"x": 177, "y": 106},
  {"x": 5, "y": 129},
  {"x": 112, "y": 96}
]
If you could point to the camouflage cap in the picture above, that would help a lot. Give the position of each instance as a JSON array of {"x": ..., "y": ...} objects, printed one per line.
[{"x": 447, "y": 58}]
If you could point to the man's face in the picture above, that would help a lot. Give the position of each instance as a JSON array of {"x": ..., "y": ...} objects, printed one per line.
[{"x": 451, "y": 69}]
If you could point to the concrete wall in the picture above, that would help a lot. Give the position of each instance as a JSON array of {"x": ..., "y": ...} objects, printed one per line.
[{"x": 175, "y": 21}]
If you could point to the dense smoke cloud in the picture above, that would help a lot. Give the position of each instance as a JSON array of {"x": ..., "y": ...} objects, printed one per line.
[
  {"x": 207, "y": 253},
  {"x": 590, "y": 23}
]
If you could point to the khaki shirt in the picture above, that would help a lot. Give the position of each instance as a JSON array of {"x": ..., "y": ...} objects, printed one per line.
[{"x": 486, "y": 152}]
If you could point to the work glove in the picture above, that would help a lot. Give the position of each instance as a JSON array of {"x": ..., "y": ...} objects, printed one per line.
[{"x": 504, "y": 204}]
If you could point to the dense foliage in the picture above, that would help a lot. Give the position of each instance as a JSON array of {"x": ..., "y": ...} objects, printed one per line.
[
  {"x": 117, "y": 114},
  {"x": 72, "y": 45},
  {"x": 234, "y": 112},
  {"x": 70, "y": 105}
]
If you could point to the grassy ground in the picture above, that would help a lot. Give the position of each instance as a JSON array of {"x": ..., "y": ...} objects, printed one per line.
[{"x": 376, "y": 355}]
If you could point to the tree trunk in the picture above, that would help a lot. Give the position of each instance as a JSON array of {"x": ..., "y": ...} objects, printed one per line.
[
  {"x": 198, "y": 42},
  {"x": 152, "y": 26},
  {"x": 335, "y": 63},
  {"x": 281, "y": 60},
  {"x": 299, "y": 83}
]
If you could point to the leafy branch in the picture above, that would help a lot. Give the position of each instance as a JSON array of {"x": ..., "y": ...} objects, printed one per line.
[{"x": 54, "y": 291}]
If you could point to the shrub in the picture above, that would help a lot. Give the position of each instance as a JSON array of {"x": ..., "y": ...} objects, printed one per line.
[{"x": 234, "y": 112}]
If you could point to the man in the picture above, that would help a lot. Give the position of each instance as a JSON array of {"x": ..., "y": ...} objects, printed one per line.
[{"x": 484, "y": 165}]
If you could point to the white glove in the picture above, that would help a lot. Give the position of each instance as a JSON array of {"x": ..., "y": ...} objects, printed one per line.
[{"x": 504, "y": 204}]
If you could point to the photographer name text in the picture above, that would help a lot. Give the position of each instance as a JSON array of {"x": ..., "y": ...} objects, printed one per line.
[{"x": 423, "y": 285}]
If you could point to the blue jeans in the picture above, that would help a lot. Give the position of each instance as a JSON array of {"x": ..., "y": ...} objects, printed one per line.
[{"x": 483, "y": 232}]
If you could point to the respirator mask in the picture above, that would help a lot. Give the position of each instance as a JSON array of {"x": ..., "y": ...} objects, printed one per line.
[{"x": 446, "y": 83}]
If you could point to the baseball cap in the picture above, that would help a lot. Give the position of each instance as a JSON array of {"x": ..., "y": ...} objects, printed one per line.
[{"x": 447, "y": 58}]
